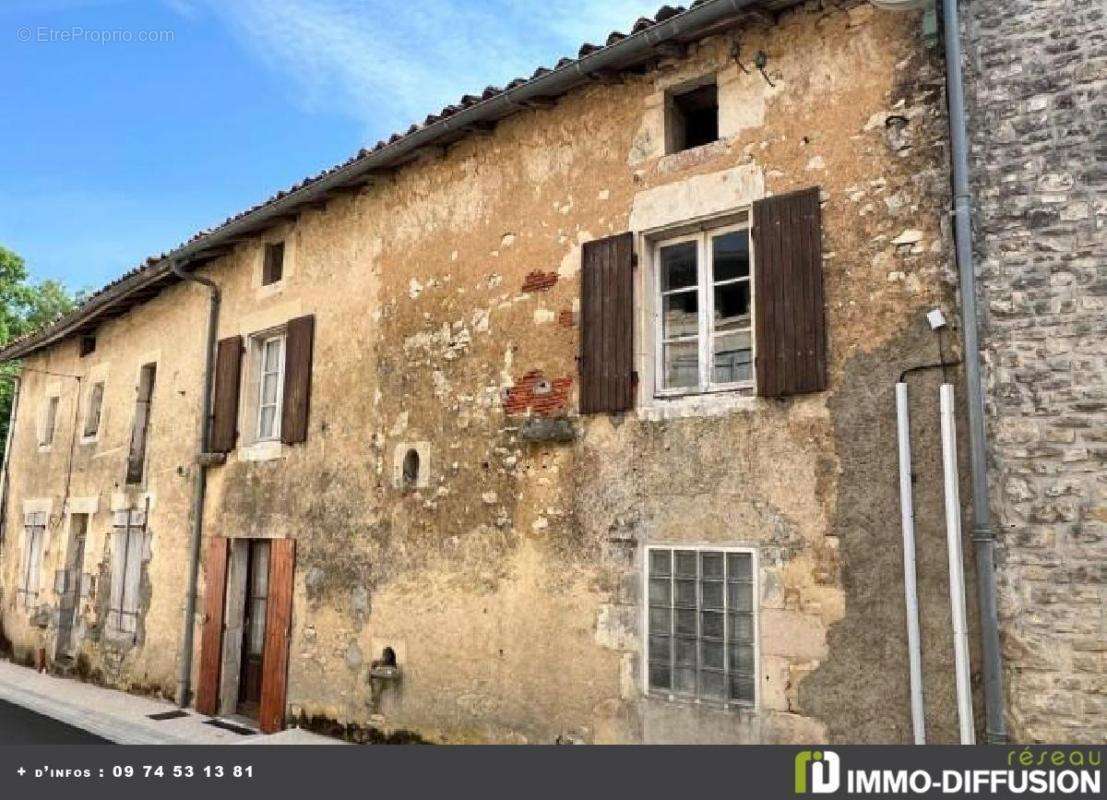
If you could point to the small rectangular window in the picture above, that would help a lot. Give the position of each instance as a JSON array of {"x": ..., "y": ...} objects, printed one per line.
[
  {"x": 136, "y": 461},
  {"x": 95, "y": 408},
  {"x": 700, "y": 621},
  {"x": 273, "y": 267},
  {"x": 87, "y": 345},
  {"x": 704, "y": 304},
  {"x": 49, "y": 421},
  {"x": 34, "y": 531},
  {"x": 270, "y": 387},
  {"x": 692, "y": 117}
]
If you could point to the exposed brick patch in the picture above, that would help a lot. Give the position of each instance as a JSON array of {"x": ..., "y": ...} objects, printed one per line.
[
  {"x": 566, "y": 319},
  {"x": 538, "y": 395},
  {"x": 539, "y": 281}
]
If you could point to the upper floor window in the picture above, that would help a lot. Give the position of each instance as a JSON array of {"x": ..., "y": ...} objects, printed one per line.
[
  {"x": 136, "y": 460},
  {"x": 275, "y": 394},
  {"x": 49, "y": 421},
  {"x": 704, "y": 297},
  {"x": 95, "y": 411},
  {"x": 692, "y": 117},
  {"x": 272, "y": 269},
  {"x": 86, "y": 345},
  {"x": 270, "y": 372},
  {"x": 731, "y": 301}
]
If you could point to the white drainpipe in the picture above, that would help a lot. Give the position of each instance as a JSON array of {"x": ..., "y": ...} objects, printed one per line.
[
  {"x": 956, "y": 566},
  {"x": 910, "y": 590}
]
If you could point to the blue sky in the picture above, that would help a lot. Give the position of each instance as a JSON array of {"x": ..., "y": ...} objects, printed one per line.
[{"x": 116, "y": 148}]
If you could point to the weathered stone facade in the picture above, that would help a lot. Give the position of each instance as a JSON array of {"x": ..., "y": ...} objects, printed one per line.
[
  {"x": 508, "y": 578},
  {"x": 1038, "y": 116}
]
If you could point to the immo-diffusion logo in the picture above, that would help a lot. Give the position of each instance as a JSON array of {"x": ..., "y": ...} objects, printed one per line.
[
  {"x": 825, "y": 769},
  {"x": 1051, "y": 773}
]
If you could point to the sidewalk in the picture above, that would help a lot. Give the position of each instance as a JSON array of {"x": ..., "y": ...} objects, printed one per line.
[{"x": 124, "y": 718}]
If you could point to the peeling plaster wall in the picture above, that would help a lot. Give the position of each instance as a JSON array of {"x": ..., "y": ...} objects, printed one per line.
[{"x": 446, "y": 301}]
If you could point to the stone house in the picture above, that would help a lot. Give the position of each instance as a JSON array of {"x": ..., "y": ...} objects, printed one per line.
[{"x": 566, "y": 415}]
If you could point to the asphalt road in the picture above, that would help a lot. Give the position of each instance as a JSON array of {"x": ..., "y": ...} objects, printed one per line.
[{"x": 20, "y": 726}]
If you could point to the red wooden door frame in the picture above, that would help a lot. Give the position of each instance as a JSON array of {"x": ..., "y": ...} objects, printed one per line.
[
  {"x": 278, "y": 631},
  {"x": 211, "y": 638}
]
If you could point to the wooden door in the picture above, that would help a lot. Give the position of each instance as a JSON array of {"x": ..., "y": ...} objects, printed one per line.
[
  {"x": 211, "y": 638},
  {"x": 278, "y": 628}
]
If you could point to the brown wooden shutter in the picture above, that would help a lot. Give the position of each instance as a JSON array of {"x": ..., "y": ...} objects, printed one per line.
[
  {"x": 607, "y": 325},
  {"x": 211, "y": 637},
  {"x": 278, "y": 630},
  {"x": 788, "y": 293},
  {"x": 297, "y": 379},
  {"x": 224, "y": 422}
]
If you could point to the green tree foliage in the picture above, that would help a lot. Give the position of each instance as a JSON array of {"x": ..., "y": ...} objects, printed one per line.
[{"x": 24, "y": 307}]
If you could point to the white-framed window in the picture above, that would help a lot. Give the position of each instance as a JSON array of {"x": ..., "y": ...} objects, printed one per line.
[
  {"x": 270, "y": 386},
  {"x": 49, "y": 423},
  {"x": 94, "y": 411},
  {"x": 701, "y": 624},
  {"x": 703, "y": 311},
  {"x": 128, "y": 550},
  {"x": 34, "y": 534}
]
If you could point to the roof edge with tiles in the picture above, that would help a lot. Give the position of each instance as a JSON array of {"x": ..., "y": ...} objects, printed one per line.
[{"x": 619, "y": 52}]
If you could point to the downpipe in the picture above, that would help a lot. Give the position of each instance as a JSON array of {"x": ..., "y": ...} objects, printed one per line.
[
  {"x": 983, "y": 534},
  {"x": 910, "y": 581},
  {"x": 199, "y": 487}
]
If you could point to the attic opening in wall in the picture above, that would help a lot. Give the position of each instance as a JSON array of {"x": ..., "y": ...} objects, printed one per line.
[{"x": 692, "y": 117}]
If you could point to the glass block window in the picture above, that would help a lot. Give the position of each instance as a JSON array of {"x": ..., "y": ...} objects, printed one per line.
[{"x": 701, "y": 624}]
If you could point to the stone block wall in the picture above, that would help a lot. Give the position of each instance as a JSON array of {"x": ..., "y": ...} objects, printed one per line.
[{"x": 1038, "y": 107}]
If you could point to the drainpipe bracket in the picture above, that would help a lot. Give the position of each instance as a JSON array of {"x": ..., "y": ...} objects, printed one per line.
[
  {"x": 983, "y": 534},
  {"x": 211, "y": 459}
]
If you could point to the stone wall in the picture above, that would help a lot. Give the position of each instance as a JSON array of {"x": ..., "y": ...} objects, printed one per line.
[{"x": 1038, "y": 114}]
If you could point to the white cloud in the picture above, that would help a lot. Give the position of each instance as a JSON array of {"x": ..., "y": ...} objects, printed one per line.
[{"x": 388, "y": 64}]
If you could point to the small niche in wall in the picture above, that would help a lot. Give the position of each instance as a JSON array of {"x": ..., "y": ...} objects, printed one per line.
[{"x": 411, "y": 466}]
